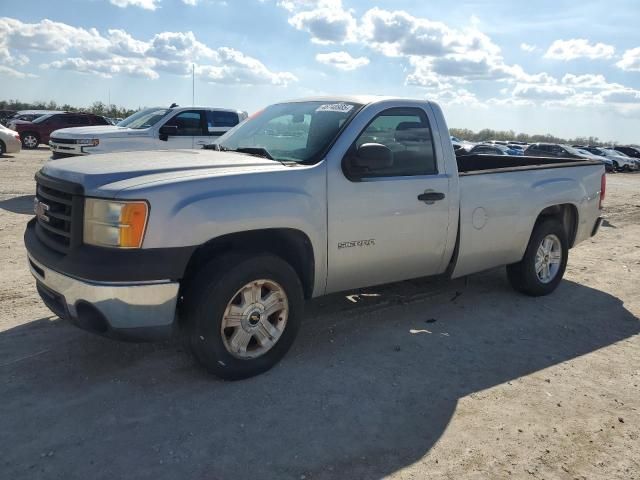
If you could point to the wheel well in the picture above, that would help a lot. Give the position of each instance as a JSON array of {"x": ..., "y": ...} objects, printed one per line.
[
  {"x": 567, "y": 214},
  {"x": 35, "y": 134},
  {"x": 291, "y": 245}
]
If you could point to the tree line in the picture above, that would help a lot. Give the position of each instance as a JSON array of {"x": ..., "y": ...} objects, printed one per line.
[
  {"x": 99, "y": 108},
  {"x": 509, "y": 135}
]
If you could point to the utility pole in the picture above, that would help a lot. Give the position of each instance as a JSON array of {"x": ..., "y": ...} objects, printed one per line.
[{"x": 193, "y": 84}]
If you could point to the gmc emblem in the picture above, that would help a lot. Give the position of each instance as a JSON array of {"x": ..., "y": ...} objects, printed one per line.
[{"x": 40, "y": 209}]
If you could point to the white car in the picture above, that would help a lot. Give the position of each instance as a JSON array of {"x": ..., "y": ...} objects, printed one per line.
[
  {"x": 149, "y": 129},
  {"x": 9, "y": 141},
  {"x": 619, "y": 159}
]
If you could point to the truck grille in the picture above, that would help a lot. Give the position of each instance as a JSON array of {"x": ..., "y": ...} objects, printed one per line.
[
  {"x": 63, "y": 140},
  {"x": 58, "y": 207}
]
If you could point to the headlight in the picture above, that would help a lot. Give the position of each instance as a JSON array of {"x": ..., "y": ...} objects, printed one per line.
[
  {"x": 109, "y": 223},
  {"x": 94, "y": 142}
]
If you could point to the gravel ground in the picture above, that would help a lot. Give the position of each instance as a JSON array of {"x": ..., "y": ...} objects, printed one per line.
[{"x": 419, "y": 379}]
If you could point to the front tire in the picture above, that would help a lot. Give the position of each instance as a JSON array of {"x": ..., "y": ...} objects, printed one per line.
[
  {"x": 30, "y": 140},
  {"x": 242, "y": 314},
  {"x": 541, "y": 269}
]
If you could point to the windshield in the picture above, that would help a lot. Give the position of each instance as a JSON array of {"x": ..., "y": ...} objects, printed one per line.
[
  {"x": 614, "y": 152},
  {"x": 297, "y": 131},
  {"x": 571, "y": 150},
  {"x": 144, "y": 118},
  {"x": 41, "y": 118}
]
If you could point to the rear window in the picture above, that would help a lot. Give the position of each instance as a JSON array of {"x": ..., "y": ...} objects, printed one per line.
[{"x": 222, "y": 119}]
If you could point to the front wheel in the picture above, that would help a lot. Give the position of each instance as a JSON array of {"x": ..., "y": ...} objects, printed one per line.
[
  {"x": 242, "y": 314},
  {"x": 30, "y": 140},
  {"x": 544, "y": 262}
]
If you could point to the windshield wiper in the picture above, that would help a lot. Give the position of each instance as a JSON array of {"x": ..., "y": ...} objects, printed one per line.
[{"x": 256, "y": 151}]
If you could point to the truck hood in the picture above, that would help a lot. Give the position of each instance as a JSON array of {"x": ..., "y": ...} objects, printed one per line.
[
  {"x": 107, "y": 174},
  {"x": 100, "y": 131}
]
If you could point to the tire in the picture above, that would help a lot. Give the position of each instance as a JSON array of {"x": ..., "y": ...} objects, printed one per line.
[
  {"x": 216, "y": 290},
  {"x": 523, "y": 275},
  {"x": 616, "y": 167},
  {"x": 3, "y": 148},
  {"x": 30, "y": 140}
]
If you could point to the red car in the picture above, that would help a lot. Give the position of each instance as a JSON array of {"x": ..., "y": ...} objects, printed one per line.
[{"x": 36, "y": 132}]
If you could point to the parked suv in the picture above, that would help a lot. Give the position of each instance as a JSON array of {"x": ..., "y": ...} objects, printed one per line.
[
  {"x": 552, "y": 150},
  {"x": 34, "y": 133},
  {"x": 156, "y": 128},
  {"x": 633, "y": 152},
  {"x": 28, "y": 116}
]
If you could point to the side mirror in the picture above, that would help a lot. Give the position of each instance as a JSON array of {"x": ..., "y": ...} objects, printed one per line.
[
  {"x": 166, "y": 131},
  {"x": 372, "y": 156}
]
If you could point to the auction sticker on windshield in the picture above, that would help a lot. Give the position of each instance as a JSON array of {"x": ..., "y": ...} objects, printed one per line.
[{"x": 335, "y": 107}]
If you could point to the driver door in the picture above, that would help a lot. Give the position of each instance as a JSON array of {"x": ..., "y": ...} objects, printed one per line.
[{"x": 190, "y": 124}]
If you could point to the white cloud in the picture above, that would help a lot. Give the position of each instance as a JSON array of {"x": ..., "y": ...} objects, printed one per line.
[
  {"x": 458, "y": 96},
  {"x": 325, "y": 20},
  {"x": 146, "y": 4},
  {"x": 623, "y": 95},
  {"x": 119, "y": 53},
  {"x": 106, "y": 68},
  {"x": 238, "y": 68},
  {"x": 630, "y": 60},
  {"x": 578, "y": 48},
  {"x": 528, "y": 48},
  {"x": 342, "y": 60},
  {"x": 191, "y": 3},
  {"x": 11, "y": 72},
  {"x": 542, "y": 92}
]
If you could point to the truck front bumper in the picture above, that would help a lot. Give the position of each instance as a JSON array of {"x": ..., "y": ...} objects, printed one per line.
[{"x": 124, "y": 310}]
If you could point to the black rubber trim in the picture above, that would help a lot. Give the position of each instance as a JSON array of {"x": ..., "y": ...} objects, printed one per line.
[
  {"x": 596, "y": 227},
  {"x": 109, "y": 264},
  {"x": 478, "y": 164}
]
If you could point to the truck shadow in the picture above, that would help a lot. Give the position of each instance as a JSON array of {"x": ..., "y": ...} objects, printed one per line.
[
  {"x": 370, "y": 385},
  {"x": 22, "y": 204}
]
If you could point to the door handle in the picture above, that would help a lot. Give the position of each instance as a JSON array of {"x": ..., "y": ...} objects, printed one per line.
[{"x": 430, "y": 196}]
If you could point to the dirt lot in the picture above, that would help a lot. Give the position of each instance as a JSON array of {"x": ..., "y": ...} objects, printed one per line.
[{"x": 465, "y": 379}]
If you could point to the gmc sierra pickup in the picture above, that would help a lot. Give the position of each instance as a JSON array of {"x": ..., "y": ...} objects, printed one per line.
[{"x": 303, "y": 199}]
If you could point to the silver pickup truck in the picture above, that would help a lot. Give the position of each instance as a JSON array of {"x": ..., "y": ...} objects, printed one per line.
[{"x": 303, "y": 199}]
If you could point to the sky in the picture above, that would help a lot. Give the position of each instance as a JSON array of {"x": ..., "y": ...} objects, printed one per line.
[{"x": 562, "y": 67}]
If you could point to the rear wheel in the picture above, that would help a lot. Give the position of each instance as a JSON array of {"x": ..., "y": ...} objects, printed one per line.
[
  {"x": 616, "y": 166},
  {"x": 544, "y": 262},
  {"x": 242, "y": 314},
  {"x": 3, "y": 148},
  {"x": 30, "y": 140}
]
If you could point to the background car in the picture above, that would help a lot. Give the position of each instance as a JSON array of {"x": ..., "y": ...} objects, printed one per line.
[
  {"x": 9, "y": 141},
  {"x": 34, "y": 133},
  {"x": 488, "y": 149},
  {"x": 608, "y": 164},
  {"x": 633, "y": 152},
  {"x": 619, "y": 159},
  {"x": 552, "y": 150},
  {"x": 5, "y": 115},
  {"x": 28, "y": 116}
]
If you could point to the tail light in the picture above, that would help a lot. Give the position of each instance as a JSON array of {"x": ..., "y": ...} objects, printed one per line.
[{"x": 603, "y": 189}]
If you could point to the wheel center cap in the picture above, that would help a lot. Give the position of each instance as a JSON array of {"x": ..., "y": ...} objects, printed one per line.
[{"x": 254, "y": 318}]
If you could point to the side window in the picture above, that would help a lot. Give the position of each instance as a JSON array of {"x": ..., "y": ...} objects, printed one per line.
[
  {"x": 189, "y": 123},
  {"x": 99, "y": 121},
  {"x": 221, "y": 119},
  {"x": 407, "y": 134},
  {"x": 75, "y": 120},
  {"x": 559, "y": 151}
]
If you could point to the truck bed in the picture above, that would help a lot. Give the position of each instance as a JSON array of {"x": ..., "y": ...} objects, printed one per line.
[
  {"x": 485, "y": 164},
  {"x": 502, "y": 196}
]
